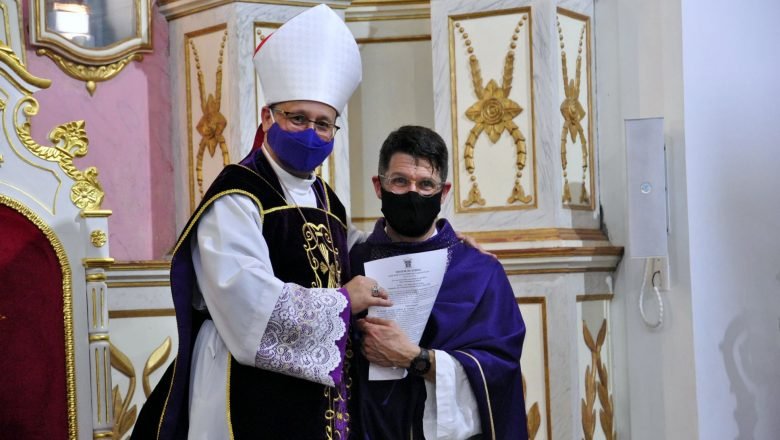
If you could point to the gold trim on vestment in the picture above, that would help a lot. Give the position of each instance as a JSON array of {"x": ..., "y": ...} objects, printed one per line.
[
  {"x": 228, "y": 418},
  {"x": 487, "y": 393},
  {"x": 203, "y": 207}
]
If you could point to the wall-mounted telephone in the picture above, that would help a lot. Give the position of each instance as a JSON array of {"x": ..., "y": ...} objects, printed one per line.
[{"x": 647, "y": 206}]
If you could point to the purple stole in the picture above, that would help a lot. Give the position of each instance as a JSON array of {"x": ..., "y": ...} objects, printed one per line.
[
  {"x": 475, "y": 319},
  {"x": 263, "y": 404}
]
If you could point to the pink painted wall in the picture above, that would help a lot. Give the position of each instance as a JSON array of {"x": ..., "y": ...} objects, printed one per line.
[{"x": 128, "y": 122}]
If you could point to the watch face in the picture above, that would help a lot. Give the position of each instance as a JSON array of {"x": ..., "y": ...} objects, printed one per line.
[{"x": 421, "y": 364}]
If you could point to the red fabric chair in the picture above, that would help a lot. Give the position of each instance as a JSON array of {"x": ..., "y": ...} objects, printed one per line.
[
  {"x": 32, "y": 332},
  {"x": 55, "y": 363}
]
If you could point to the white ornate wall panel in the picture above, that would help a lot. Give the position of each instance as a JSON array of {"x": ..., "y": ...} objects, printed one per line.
[
  {"x": 536, "y": 74},
  {"x": 595, "y": 368},
  {"x": 144, "y": 340},
  {"x": 557, "y": 294},
  {"x": 207, "y": 76},
  {"x": 575, "y": 93},
  {"x": 491, "y": 84},
  {"x": 536, "y": 372},
  {"x": 396, "y": 90}
]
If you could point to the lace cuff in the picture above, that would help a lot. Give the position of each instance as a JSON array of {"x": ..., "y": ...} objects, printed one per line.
[{"x": 306, "y": 334}]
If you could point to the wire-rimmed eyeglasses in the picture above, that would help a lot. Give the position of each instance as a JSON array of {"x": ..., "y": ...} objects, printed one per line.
[
  {"x": 299, "y": 122},
  {"x": 398, "y": 184}
]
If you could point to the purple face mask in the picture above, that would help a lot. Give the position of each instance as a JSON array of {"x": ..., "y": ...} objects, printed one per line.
[{"x": 301, "y": 151}]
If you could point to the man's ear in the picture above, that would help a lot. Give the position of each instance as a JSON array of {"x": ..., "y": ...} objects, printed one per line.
[
  {"x": 377, "y": 186},
  {"x": 265, "y": 118},
  {"x": 445, "y": 190}
]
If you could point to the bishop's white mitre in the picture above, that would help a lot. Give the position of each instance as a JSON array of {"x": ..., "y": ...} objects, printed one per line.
[{"x": 312, "y": 57}]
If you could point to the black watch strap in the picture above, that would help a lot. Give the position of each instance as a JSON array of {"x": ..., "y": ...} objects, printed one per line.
[{"x": 421, "y": 364}]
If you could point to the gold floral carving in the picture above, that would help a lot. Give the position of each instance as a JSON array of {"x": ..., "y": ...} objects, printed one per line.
[
  {"x": 98, "y": 238},
  {"x": 597, "y": 383},
  {"x": 573, "y": 113},
  {"x": 90, "y": 74},
  {"x": 533, "y": 417},
  {"x": 124, "y": 414},
  {"x": 494, "y": 113},
  {"x": 212, "y": 124},
  {"x": 70, "y": 142}
]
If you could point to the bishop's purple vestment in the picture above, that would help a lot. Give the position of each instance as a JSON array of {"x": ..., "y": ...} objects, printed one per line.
[{"x": 307, "y": 247}]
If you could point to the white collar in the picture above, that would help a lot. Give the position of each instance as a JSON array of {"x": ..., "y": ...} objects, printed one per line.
[{"x": 293, "y": 185}]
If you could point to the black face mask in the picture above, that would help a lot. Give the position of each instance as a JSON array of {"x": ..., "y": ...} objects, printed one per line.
[{"x": 410, "y": 214}]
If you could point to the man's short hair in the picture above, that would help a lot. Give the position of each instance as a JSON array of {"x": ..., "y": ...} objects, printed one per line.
[{"x": 418, "y": 142}]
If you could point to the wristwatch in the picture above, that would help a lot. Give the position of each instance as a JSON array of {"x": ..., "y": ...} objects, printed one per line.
[{"x": 421, "y": 364}]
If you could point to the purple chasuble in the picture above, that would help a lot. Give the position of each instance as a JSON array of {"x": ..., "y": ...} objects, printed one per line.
[
  {"x": 262, "y": 404},
  {"x": 475, "y": 319}
]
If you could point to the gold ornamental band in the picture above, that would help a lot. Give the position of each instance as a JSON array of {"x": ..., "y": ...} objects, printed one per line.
[
  {"x": 141, "y": 265},
  {"x": 589, "y": 251},
  {"x": 539, "y": 234},
  {"x": 140, "y": 313},
  {"x": 226, "y": 2},
  {"x": 99, "y": 337},
  {"x": 97, "y": 262},
  {"x": 87, "y": 213},
  {"x": 96, "y": 277}
]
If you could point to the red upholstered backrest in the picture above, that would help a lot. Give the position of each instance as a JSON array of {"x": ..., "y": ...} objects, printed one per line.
[{"x": 33, "y": 398}]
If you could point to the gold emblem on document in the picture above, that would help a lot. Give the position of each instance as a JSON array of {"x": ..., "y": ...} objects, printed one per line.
[{"x": 322, "y": 254}]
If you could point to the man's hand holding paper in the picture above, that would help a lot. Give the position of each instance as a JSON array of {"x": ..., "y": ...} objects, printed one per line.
[{"x": 413, "y": 282}]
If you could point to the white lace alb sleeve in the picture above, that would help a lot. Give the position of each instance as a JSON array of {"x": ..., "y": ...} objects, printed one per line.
[{"x": 302, "y": 337}]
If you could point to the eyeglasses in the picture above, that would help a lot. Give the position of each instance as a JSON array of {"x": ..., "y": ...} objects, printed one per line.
[
  {"x": 426, "y": 187},
  {"x": 299, "y": 122}
]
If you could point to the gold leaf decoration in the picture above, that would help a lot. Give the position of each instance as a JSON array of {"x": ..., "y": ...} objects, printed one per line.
[
  {"x": 533, "y": 417},
  {"x": 597, "y": 384},
  {"x": 588, "y": 404},
  {"x": 70, "y": 142},
  {"x": 155, "y": 361},
  {"x": 573, "y": 113},
  {"x": 212, "y": 123},
  {"x": 606, "y": 414},
  {"x": 124, "y": 417},
  {"x": 90, "y": 74}
]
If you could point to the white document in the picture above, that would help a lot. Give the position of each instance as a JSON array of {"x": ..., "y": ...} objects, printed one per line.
[{"x": 412, "y": 282}]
